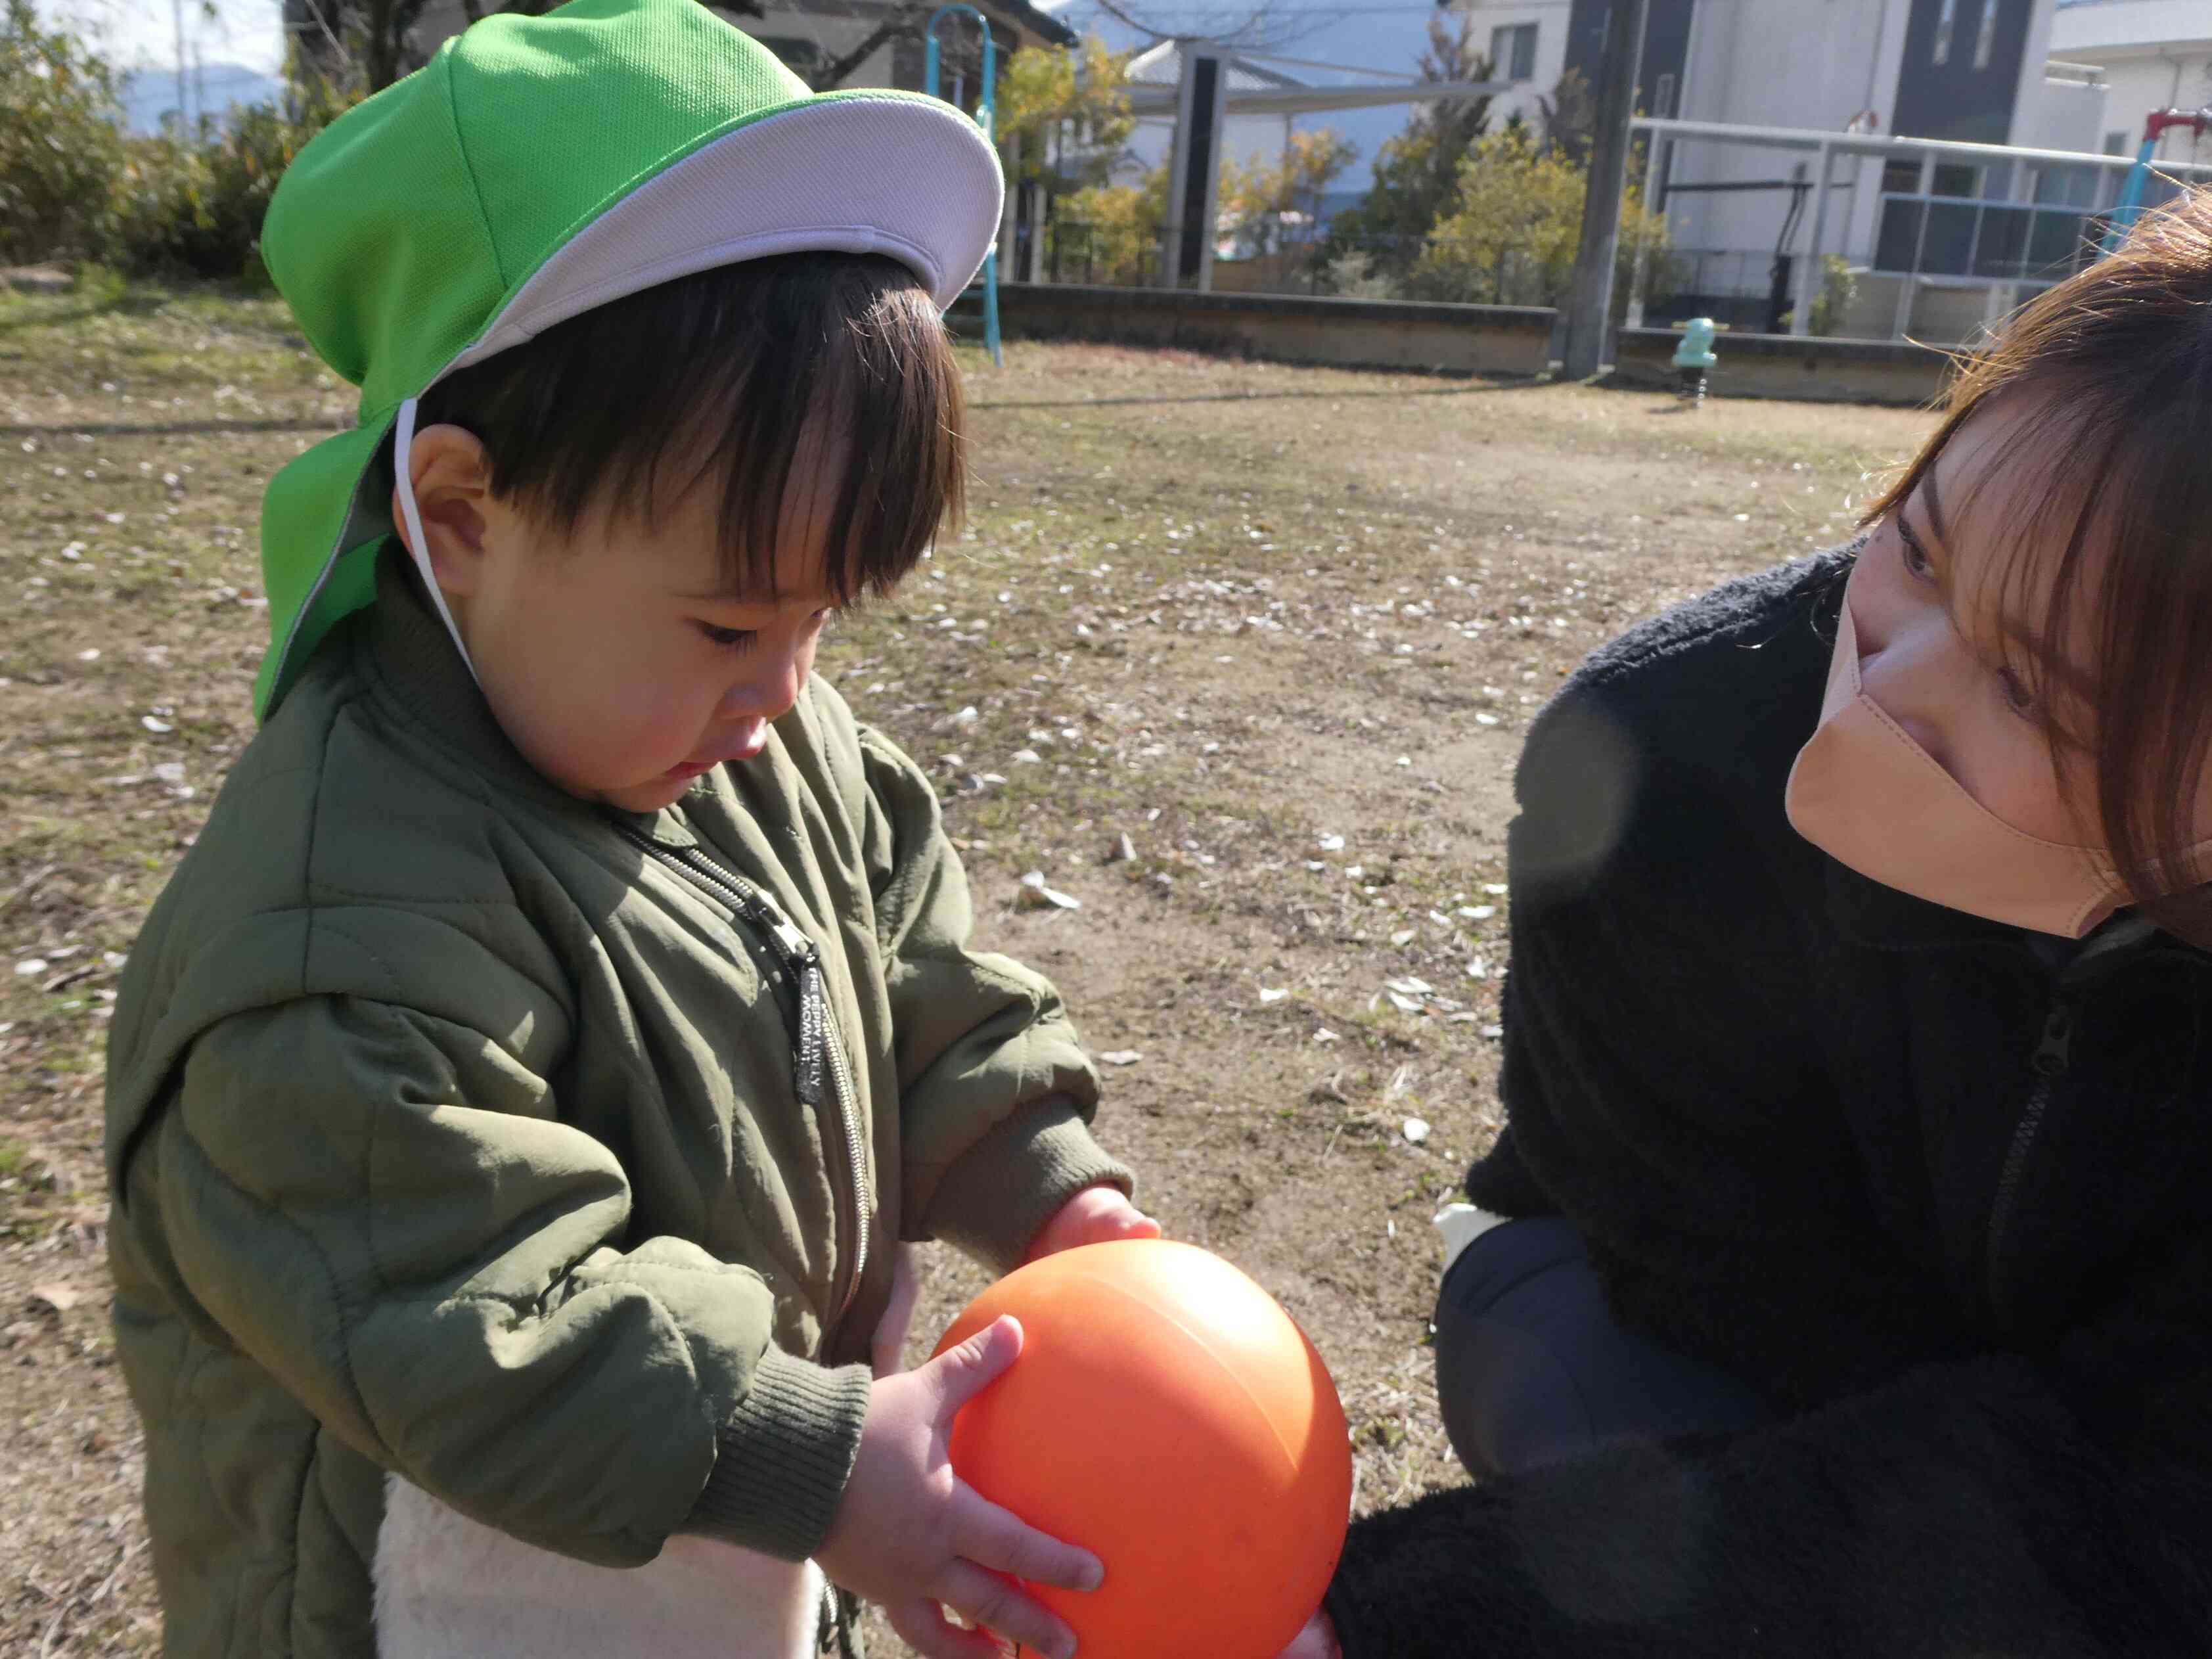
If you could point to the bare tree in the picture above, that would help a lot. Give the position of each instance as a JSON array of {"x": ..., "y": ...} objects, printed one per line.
[
  {"x": 1256, "y": 25},
  {"x": 372, "y": 41}
]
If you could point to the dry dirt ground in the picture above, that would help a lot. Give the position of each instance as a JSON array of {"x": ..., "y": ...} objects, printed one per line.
[{"x": 1281, "y": 628}]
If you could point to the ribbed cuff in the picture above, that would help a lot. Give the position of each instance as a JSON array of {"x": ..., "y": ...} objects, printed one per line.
[
  {"x": 998, "y": 1197},
  {"x": 784, "y": 1457}
]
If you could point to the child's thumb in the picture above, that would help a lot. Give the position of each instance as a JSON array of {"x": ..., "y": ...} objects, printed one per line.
[{"x": 965, "y": 1370}]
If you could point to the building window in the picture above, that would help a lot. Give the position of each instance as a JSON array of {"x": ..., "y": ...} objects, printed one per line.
[
  {"x": 1947, "y": 23},
  {"x": 1955, "y": 178},
  {"x": 2116, "y": 142},
  {"x": 1985, "y": 38},
  {"x": 1662, "y": 97},
  {"x": 1513, "y": 51}
]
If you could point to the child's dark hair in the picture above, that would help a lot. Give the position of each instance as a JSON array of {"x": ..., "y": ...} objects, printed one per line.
[
  {"x": 2117, "y": 360},
  {"x": 741, "y": 378}
]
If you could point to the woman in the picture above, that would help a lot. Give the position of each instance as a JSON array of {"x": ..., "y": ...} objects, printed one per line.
[{"x": 1856, "y": 1298}]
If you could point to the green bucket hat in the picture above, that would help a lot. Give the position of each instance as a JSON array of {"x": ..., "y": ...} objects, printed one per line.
[{"x": 538, "y": 167}]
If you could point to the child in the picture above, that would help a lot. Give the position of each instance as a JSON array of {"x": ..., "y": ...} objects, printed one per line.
[
  {"x": 517, "y": 1095},
  {"x": 1856, "y": 1301}
]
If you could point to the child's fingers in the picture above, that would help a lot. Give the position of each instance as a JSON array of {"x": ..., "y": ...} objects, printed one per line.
[
  {"x": 923, "y": 1626},
  {"x": 997, "y": 1602},
  {"x": 963, "y": 1371},
  {"x": 997, "y": 1538}
]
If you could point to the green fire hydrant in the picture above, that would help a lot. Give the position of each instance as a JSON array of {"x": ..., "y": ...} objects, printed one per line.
[{"x": 1694, "y": 358}]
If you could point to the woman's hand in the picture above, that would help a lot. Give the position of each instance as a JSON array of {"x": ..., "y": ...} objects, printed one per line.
[
  {"x": 1317, "y": 1641},
  {"x": 912, "y": 1536},
  {"x": 1096, "y": 1215}
]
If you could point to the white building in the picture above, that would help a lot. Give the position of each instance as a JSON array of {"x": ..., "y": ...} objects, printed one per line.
[
  {"x": 2151, "y": 55},
  {"x": 1977, "y": 71}
]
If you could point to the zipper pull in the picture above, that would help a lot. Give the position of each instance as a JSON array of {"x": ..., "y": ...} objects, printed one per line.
[
  {"x": 813, "y": 1029},
  {"x": 2055, "y": 1051}
]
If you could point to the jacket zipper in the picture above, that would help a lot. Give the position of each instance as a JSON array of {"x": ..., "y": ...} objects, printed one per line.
[
  {"x": 820, "y": 1057},
  {"x": 2053, "y": 1053}
]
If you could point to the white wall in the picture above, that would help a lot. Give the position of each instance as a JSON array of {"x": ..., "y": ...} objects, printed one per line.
[
  {"x": 1804, "y": 63},
  {"x": 1551, "y": 21},
  {"x": 2156, "y": 54}
]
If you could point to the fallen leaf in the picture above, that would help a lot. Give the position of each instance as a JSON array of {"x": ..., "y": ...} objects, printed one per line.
[
  {"x": 58, "y": 1298},
  {"x": 1121, "y": 1057}
]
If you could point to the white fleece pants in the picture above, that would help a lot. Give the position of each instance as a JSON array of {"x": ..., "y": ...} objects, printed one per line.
[{"x": 451, "y": 1588}]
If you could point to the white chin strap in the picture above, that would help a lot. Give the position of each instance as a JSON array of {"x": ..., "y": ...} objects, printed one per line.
[{"x": 403, "y": 478}]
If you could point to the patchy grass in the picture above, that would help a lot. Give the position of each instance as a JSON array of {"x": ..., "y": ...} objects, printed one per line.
[{"x": 1281, "y": 628}]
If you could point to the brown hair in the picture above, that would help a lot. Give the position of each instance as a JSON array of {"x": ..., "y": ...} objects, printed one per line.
[
  {"x": 2117, "y": 360},
  {"x": 751, "y": 378}
]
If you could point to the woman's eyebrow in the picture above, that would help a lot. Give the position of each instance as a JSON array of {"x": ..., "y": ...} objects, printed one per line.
[{"x": 1935, "y": 507}]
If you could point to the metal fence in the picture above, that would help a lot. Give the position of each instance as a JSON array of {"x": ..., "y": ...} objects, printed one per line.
[{"x": 1958, "y": 234}]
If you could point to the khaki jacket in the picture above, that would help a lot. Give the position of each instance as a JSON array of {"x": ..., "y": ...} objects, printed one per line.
[{"x": 546, "y": 1156}]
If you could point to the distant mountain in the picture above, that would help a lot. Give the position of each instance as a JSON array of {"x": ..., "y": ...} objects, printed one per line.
[{"x": 150, "y": 94}]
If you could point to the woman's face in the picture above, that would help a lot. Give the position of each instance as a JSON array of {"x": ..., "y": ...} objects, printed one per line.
[{"x": 1948, "y": 598}]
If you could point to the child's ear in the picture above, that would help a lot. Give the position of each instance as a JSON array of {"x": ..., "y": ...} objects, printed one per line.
[{"x": 451, "y": 476}]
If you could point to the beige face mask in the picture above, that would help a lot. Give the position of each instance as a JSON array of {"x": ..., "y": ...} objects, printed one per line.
[{"x": 1870, "y": 797}]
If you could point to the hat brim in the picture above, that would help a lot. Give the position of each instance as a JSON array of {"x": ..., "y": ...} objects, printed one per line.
[{"x": 906, "y": 177}]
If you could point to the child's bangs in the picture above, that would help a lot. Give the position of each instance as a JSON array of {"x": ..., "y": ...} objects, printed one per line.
[
  {"x": 844, "y": 437},
  {"x": 814, "y": 394}
]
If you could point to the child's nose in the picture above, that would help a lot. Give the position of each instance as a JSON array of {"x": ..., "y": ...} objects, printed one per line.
[{"x": 768, "y": 693}]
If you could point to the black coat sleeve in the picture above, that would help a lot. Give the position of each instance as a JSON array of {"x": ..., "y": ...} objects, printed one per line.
[{"x": 1990, "y": 1507}]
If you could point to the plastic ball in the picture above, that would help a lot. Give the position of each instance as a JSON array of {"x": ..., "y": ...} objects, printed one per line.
[{"x": 1167, "y": 1415}]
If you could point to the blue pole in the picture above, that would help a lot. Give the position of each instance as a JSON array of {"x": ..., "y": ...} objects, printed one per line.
[
  {"x": 986, "y": 108},
  {"x": 2129, "y": 209}
]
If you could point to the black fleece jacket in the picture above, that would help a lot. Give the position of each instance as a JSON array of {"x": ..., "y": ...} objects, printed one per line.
[{"x": 1947, "y": 1205}]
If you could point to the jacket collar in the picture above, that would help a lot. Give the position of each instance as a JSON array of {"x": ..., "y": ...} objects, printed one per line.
[{"x": 1869, "y": 913}]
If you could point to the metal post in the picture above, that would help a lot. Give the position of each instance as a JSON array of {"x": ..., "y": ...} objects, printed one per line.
[
  {"x": 2004, "y": 297},
  {"x": 1011, "y": 210},
  {"x": 1194, "y": 170},
  {"x": 1661, "y": 168},
  {"x": 1801, "y": 315},
  {"x": 1910, "y": 282},
  {"x": 986, "y": 118},
  {"x": 1589, "y": 294},
  {"x": 177, "y": 10}
]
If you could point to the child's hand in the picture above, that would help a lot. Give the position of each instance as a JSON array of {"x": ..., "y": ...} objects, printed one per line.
[
  {"x": 910, "y": 1533},
  {"x": 1096, "y": 1215}
]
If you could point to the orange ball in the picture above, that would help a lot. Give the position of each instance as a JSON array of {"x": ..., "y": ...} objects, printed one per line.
[{"x": 1167, "y": 1415}]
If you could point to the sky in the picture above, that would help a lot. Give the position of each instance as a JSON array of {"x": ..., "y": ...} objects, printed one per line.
[
  {"x": 138, "y": 34},
  {"x": 1379, "y": 34}
]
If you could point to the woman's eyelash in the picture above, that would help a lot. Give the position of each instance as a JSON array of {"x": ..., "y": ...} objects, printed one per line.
[
  {"x": 2019, "y": 696},
  {"x": 1915, "y": 556}
]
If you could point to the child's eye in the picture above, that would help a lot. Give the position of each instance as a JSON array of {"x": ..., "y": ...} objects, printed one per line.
[
  {"x": 2019, "y": 696},
  {"x": 729, "y": 639}
]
